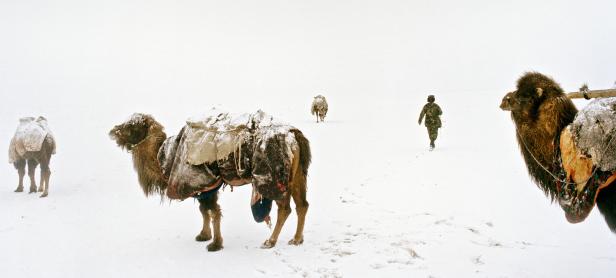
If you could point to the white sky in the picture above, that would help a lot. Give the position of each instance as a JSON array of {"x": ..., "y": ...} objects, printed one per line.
[{"x": 128, "y": 55}]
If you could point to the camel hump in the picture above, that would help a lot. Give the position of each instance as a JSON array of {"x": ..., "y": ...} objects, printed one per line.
[{"x": 594, "y": 132}]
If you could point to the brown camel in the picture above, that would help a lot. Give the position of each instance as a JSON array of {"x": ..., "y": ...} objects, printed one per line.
[
  {"x": 145, "y": 139},
  {"x": 319, "y": 107},
  {"x": 32, "y": 144},
  {"x": 548, "y": 132}
]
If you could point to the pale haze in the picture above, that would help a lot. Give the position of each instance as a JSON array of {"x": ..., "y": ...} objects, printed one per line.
[{"x": 381, "y": 205}]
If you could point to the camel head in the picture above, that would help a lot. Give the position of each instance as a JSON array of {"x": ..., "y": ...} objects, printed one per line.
[
  {"x": 132, "y": 131},
  {"x": 540, "y": 111},
  {"x": 509, "y": 103},
  {"x": 533, "y": 89}
]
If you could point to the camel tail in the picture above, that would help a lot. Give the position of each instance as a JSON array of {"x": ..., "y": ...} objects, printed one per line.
[{"x": 305, "y": 156}]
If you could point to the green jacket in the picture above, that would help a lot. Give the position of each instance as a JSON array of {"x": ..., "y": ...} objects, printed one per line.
[{"x": 432, "y": 112}]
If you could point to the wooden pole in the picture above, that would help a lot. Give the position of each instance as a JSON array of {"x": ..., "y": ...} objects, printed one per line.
[{"x": 592, "y": 94}]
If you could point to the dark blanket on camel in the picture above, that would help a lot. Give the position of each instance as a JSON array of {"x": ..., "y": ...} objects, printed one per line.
[{"x": 223, "y": 149}]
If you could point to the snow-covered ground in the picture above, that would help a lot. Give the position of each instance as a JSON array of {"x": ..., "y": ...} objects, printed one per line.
[{"x": 381, "y": 204}]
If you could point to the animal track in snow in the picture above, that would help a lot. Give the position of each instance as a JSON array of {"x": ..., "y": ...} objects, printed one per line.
[{"x": 477, "y": 260}]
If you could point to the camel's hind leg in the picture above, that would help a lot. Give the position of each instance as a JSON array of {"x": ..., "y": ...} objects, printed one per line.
[
  {"x": 45, "y": 159},
  {"x": 211, "y": 207},
  {"x": 298, "y": 188},
  {"x": 284, "y": 209},
  {"x": 31, "y": 168},
  {"x": 45, "y": 174},
  {"x": 20, "y": 165}
]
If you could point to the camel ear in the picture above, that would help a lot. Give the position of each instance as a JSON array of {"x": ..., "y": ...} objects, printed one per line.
[{"x": 539, "y": 92}]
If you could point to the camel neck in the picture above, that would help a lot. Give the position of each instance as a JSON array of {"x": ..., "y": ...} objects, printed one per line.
[
  {"x": 146, "y": 163},
  {"x": 538, "y": 137}
]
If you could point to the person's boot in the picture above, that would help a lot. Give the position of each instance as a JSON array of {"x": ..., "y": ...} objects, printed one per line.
[{"x": 432, "y": 145}]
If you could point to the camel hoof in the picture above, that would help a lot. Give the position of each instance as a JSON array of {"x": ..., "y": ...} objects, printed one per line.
[
  {"x": 214, "y": 246},
  {"x": 201, "y": 237},
  {"x": 32, "y": 190},
  {"x": 41, "y": 189},
  {"x": 296, "y": 241},
  {"x": 19, "y": 189},
  {"x": 268, "y": 244},
  {"x": 44, "y": 195}
]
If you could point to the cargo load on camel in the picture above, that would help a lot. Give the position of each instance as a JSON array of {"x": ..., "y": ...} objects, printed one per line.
[
  {"x": 234, "y": 150},
  {"x": 29, "y": 137},
  {"x": 588, "y": 157}
]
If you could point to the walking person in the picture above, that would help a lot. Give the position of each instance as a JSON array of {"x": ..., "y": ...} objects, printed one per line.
[{"x": 432, "y": 112}]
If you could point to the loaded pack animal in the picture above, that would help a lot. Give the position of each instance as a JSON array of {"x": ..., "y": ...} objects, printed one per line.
[
  {"x": 319, "y": 107},
  {"x": 222, "y": 150},
  {"x": 570, "y": 155},
  {"x": 32, "y": 144}
]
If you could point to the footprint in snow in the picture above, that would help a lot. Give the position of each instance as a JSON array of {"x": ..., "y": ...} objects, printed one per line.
[{"x": 473, "y": 230}]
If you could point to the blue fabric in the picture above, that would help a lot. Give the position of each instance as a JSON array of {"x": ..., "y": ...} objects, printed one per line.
[
  {"x": 261, "y": 209},
  {"x": 207, "y": 194}
]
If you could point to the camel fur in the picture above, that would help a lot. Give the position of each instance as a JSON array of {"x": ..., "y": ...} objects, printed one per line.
[
  {"x": 319, "y": 107},
  {"x": 548, "y": 131},
  {"x": 163, "y": 166},
  {"x": 32, "y": 144}
]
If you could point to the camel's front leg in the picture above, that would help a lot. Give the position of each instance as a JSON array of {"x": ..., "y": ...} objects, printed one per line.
[
  {"x": 217, "y": 242},
  {"x": 206, "y": 232},
  {"x": 211, "y": 212},
  {"x": 284, "y": 209},
  {"x": 20, "y": 165}
]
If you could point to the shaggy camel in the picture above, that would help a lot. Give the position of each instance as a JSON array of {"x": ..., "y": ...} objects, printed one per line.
[
  {"x": 151, "y": 150},
  {"x": 319, "y": 107},
  {"x": 549, "y": 132},
  {"x": 32, "y": 144}
]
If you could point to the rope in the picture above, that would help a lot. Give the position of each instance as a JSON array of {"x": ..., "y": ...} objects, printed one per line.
[
  {"x": 140, "y": 142},
  {"x": 556, "y": 178},
  {"x": 238, "y": 155}
]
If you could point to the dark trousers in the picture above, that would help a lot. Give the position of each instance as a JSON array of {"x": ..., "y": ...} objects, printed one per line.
[{"x": 433, "y": 133}]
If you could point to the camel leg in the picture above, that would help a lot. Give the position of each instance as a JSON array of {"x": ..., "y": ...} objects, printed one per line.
[
  {"x": 31, "y": 168},
  {"x": 211, "y": 207},
  {"x": 206, "y": 232},
  {"x": 284, "y": 209},
  {"x": 45, "y": 174},
  {"x": 301, "y": 208},
  {"x": 20, "y": 165},
  {"x": 217, "y": 242},
  {"x": 42, "y": 180}
]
